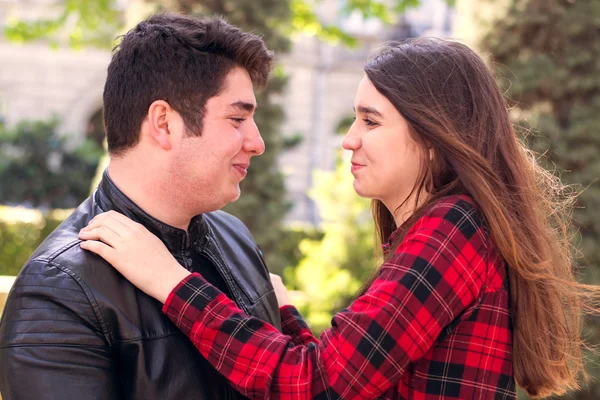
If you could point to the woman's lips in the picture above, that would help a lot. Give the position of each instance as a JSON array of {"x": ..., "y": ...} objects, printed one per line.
[{"x": 355, "y": 167}]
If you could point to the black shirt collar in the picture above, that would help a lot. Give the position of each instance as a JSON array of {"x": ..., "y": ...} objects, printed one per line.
[{"x": 109, "y": 197}]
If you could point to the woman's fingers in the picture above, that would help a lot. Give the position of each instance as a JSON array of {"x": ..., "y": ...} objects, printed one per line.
[
  {"x": 101, "y": 233},
  {"x": 135, "y": 252},
  {"x": 280, "y": 290},
  {"x": 102, "y": 249},
  {"x": 275, "y": 278},
  {"x": 106, "y": 219},
  {"x": 117, "y": 222}
]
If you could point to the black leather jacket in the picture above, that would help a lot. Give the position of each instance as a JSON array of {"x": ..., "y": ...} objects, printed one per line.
[{"x": 74, "y": 328}]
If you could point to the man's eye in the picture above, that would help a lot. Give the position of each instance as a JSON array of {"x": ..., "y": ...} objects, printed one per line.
[{"x": 238, "y": 120}]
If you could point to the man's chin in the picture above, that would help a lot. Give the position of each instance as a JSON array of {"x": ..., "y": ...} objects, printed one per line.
[
  {"x": 235, "y": 196},
  {"x": 225, "y": 199}
]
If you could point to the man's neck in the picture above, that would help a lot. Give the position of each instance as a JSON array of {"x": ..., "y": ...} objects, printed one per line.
[{"x": 146, "y": 189}]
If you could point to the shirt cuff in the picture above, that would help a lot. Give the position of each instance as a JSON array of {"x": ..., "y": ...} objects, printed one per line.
[
  {"x": 187, "y": 301},
  {"x": 292, "y": 322}
]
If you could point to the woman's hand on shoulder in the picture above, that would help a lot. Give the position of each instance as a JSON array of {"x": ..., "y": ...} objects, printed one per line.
[{"x": 135, "y": 252}]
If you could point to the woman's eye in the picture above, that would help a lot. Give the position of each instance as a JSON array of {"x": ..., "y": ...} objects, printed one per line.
[{"x": 369, "y": 122}]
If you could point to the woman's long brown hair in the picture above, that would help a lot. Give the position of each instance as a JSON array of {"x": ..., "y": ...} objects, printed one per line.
[{"x": 456, "y": 110}]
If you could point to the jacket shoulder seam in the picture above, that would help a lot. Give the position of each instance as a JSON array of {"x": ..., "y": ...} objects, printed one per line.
[
  {"x": 59, "y": 251},
  {"x": 88, "y": 294}
]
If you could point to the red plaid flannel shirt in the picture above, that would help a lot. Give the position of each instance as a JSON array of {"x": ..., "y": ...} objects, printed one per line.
[{"x": 434, "y": 325}]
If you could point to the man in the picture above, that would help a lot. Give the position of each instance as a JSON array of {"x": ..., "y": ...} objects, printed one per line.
[{"x": 178, "y": 109}]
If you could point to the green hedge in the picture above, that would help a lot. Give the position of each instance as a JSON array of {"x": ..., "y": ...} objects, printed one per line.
[{"x": 21, "y": 232}]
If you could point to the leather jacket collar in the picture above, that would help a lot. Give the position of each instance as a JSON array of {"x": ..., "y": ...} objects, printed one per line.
[{"x": 108, "y": 196}]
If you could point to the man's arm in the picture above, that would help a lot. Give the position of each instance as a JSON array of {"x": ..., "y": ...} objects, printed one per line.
[{"x": 52, "y": 340}]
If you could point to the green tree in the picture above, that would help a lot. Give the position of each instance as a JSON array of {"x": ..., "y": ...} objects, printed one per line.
[
  {"x": 548, "y": 58},
  {"x": 78, "y": 23},
  {"x": 38, "y": 168},
  {"x": 84, "y": 22},
  {"x": 335, "y": 266}
]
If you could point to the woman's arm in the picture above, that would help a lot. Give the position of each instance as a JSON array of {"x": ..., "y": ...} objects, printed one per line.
[
  {"x": 293, "y": 325},
  {"x": 436, "y": 272}
]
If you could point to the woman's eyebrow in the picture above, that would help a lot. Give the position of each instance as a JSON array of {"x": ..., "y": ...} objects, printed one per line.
[{"x": 368, "y": 110}]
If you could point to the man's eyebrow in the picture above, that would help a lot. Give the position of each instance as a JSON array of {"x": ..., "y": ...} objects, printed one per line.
[
  {"x": 245, "y": 106},
  {"x": 368, "y": 110}
]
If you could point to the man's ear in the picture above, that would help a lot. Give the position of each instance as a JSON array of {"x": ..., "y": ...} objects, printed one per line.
[{"x": 159, "y": 114}]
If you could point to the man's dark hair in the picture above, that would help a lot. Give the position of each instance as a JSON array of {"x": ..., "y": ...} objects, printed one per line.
[{"x": 181, "y": 60}]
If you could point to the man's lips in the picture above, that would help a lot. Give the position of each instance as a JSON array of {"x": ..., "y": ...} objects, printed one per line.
[{"x": 242, "y": 168}]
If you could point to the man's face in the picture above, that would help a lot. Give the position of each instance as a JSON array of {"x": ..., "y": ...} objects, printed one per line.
[{"x": 207, "y": 169}]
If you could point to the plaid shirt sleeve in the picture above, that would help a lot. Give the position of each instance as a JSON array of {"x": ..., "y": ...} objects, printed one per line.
[
  {"x": 293, "y": 325},
  {"x": 436, "y": 272}
]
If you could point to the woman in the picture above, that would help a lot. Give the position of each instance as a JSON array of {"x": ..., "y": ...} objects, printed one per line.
[{"x": 476, "y": 290}]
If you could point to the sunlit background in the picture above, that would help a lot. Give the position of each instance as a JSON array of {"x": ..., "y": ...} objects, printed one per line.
[{"x": 298, "y": 199}]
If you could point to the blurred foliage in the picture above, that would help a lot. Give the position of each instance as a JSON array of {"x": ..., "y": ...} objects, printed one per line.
[
  {"x": 23, "y": 229},
  {"x": 548, "y": 58},
  {"x": 21, "y": 232},
  {"x": 79, "y": 23},
  {"x": 334, "y": 268},
  {"x": 306, "y": 21},
  {"x": 83, "y": 22},
  {"x": 344, "y": 124},
  {"x": 39, "y": 169},
  {"x": 289, "y": 248}
]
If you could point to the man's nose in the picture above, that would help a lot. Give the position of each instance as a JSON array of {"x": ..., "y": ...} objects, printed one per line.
[{"x": 254, "y": 143}]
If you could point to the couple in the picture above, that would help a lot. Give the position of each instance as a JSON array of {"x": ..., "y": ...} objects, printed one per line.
[{"x": 475, "y": 294}]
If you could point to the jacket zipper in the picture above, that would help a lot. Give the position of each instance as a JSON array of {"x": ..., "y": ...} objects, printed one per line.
[
  {"x": 231, "y": 393},
  {"x": 228, "y": 281}
]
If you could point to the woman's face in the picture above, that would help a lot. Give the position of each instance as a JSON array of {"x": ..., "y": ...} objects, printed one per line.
[{"x": 386, "y": 161}]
